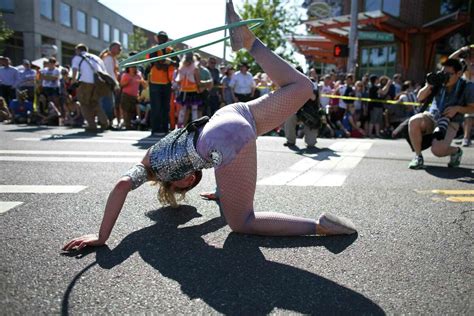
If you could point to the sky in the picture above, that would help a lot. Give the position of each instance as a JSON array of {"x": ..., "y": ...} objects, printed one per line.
[{"x": 180, "y": 18}]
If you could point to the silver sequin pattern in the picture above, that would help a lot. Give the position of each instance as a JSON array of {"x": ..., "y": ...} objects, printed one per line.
[
  {"x": 138, "y": 175},
  {"x": 175, "y": 157}
]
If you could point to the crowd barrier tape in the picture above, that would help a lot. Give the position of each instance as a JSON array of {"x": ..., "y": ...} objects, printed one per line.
[{"x": 332, "y": 96}]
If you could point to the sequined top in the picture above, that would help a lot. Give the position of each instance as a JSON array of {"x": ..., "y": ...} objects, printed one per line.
[{"x": 174, "y": 157}]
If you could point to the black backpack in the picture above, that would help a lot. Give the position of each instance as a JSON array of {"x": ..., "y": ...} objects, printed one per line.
[{"x": 310, "y": 112}]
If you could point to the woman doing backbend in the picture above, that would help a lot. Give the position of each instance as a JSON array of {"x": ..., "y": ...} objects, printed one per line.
[{"x": 228, "y": 144}]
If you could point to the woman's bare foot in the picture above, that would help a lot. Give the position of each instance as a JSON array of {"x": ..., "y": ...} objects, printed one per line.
[
  {"x": 329, "y": 224},
  {"x": 240, "y": 37}
]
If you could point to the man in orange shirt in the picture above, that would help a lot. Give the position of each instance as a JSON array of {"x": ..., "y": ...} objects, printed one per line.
[{"x": 160, "y": 78}]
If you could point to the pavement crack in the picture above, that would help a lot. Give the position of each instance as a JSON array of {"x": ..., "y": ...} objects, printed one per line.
[{"x": 461, "y": 222}]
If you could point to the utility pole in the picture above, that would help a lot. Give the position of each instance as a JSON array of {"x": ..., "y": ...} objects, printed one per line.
[{"x": 351, "y": 63}]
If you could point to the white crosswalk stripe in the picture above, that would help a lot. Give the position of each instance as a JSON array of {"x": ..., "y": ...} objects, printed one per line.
[
  {"x": 122, "y": 140},
  {"x": 70, "y": 156},
  {"x": 328, "y": 168},
  {"x": 6, "y": 206},
  {"x": 35, "y": 189},
  {"x": 41, "y": 188}
]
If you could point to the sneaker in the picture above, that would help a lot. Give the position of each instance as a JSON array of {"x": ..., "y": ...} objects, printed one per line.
[
  {"x": 417, "y": 163},
  {"x": 455, "y": 159},
  {"x": 466, "y": 142},
  {"x": 143, "y": 122}
]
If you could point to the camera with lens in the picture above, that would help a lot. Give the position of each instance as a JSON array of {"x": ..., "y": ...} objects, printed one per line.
[{"x": 437, "y": 79}]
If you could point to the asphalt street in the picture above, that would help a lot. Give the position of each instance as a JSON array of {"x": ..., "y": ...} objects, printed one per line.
[{"x": 412, "y": 254}]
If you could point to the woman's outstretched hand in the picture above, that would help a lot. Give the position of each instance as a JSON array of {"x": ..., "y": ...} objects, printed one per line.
[{"x": 80, "y": 242}]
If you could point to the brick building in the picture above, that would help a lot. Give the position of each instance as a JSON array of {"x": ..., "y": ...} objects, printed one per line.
[{"x": 395, "y": 36}]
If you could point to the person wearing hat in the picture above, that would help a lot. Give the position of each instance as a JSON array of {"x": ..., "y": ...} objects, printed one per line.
[
  {"x": 227, "y": 142},
  {"x": 242, "y": 84},
  {"x": 26, "y": 79},
  {"x": 160, "y": 77}
]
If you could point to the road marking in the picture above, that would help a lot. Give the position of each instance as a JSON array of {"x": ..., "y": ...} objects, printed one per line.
[
  {"x": 65, "y": 156},
  {"x": 6, "y": 206},
  {"x": 68, "y": 159},
  {"x": 460, "y": 199},
  {"x": 71, "y": 153},
  {"x": 454, "y": 192},
  {"x": 89, "y": 140},
  {"x": 41, "y": 188},
  {"x": 328, "y": 168}
]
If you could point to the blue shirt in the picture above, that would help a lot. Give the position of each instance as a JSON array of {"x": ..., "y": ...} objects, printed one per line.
[
  {"x": 26, "y": 78},
  {"x": 8, "y": 76},
  {"x": 446, "y": 98},
  {"x": 20, "y": 109}
]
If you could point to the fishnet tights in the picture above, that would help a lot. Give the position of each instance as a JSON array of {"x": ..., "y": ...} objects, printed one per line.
[{"x": 237, "y": 180}]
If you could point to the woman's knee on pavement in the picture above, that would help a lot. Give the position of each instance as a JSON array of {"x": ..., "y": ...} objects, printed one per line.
[{"x": 241, "y": 225}]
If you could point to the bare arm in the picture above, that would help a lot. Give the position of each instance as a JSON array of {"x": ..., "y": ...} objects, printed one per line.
[
  {"x": 74, "y": 75},
  {"x": 135, "y": 177},
  {"x": 112, "y": 210},
  {"x": 451, "y": 111},
  {"x": 384, "y": 90},
  {"x": 424, "y": 92},
  {"x": 113, "y": 207},
  {"x": 456, "y": 54}
]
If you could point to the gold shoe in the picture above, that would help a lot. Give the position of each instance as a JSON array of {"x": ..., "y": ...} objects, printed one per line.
[
  {"x": 336, "y": 225},
  {"x": 240, "y": 37}
]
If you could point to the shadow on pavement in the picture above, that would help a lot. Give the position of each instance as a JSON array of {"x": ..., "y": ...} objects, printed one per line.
[
  {"x": 147, "y": 142},
  {"x": 28, "y": 128},
  {"x": 320, "y": 153},
  {"x": 237, "y": 279},
  {"x": 465, "y": 175}
]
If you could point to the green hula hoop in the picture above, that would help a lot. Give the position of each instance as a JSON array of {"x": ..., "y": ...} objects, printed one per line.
[{"x": 129, "y": 62}]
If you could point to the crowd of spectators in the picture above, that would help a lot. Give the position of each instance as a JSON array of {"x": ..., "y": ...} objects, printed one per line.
[{"x": 169, "y": 93}]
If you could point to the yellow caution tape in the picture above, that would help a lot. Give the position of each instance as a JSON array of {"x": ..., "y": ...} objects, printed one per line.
[{"x": 369, "y": 100}]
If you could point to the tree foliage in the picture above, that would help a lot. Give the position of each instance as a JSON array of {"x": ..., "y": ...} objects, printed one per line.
[
  {"x": 5, "y": 33},
  {"x": 138, "y": 40},
  {"x": 281, "y": 20}
]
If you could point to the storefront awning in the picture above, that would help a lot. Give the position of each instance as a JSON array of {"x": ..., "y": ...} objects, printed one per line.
[{"x": 317, "y": 47}]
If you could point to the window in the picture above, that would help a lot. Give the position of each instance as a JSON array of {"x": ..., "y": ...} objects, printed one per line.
[
  {"x": 451, "y": 6},
  {"x": 81, "y": 21},
  {"x": 380, "y": 60},
  {"x": 106, "y": 32},
  {"x": 125, "y": 40},
  {"x": 116, "y": 35},
  {"x": 391, "y": 7},
  {"x": 94, "y": 27},
  {"x": 65, "y": 14},
  {"x": 7, "y": 6},
  {"x": 46, "y": 9}
]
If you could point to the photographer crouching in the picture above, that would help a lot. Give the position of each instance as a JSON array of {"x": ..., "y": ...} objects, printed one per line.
[{"x": 453, "y": 97}]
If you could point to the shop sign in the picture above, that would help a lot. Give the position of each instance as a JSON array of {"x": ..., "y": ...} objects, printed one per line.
[{"x": 375, "y": 36}]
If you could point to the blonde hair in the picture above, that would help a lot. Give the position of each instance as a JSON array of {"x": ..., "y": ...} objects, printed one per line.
[{"x": 168, "y": 196}]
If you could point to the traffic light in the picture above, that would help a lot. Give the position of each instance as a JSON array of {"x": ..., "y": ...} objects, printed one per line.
[{"x": 341, "y": 50}]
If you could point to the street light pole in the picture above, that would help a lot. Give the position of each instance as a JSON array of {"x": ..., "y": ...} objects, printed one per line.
[
  {"x": 353, "y": 38},
  {"x": 225, "y": 34}
]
